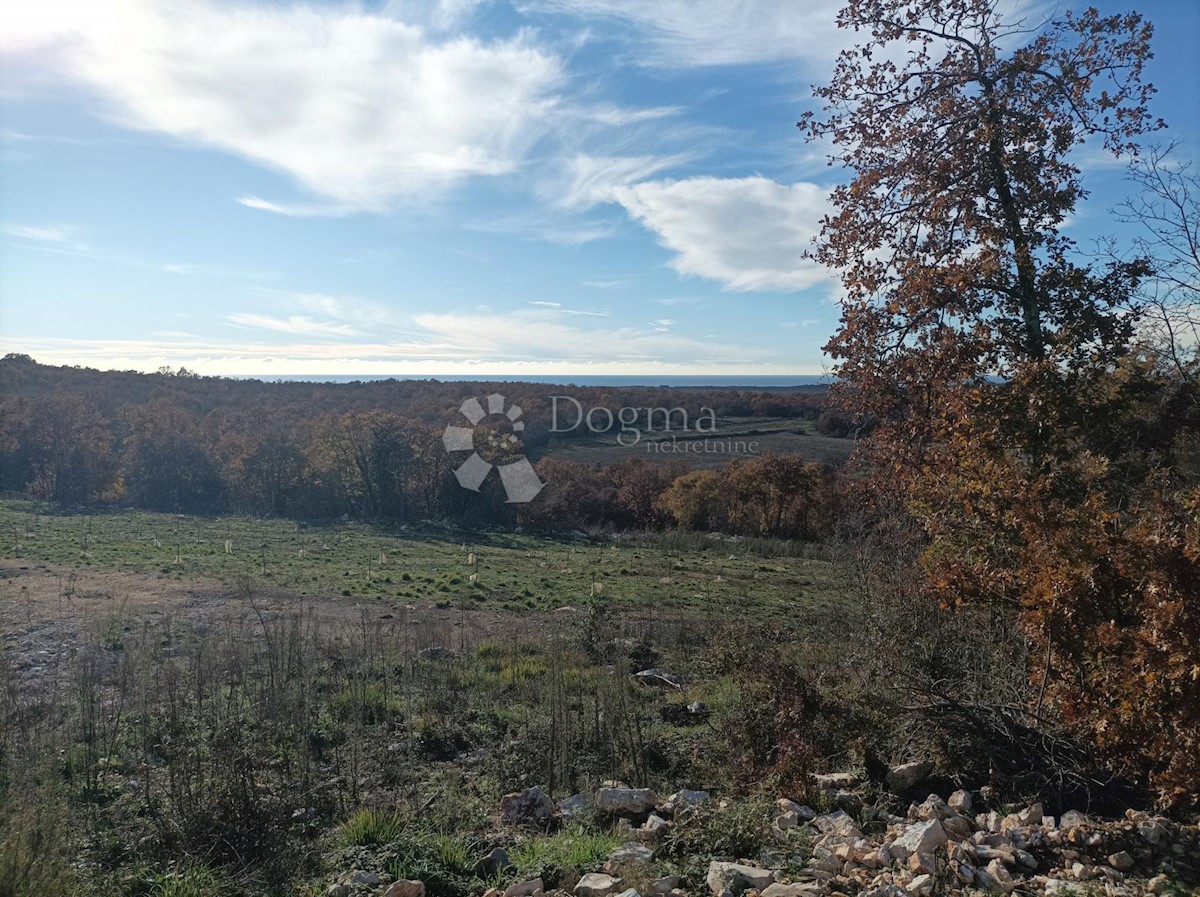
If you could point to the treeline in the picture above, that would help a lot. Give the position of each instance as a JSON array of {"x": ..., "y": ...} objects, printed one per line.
[{"x": 370, "y": 451}]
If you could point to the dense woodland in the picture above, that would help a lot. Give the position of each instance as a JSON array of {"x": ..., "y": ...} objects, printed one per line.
[{"x": 373, "y": 451}]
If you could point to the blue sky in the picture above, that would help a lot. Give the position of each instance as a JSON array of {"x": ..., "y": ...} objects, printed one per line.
[{"x": 538, "y": 187}]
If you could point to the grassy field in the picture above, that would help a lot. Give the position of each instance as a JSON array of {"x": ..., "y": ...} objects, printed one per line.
[
  {"x": 227, "y": 706},
  {"x": 750, "y": 437},
  {"x": 502, "y": 571}
]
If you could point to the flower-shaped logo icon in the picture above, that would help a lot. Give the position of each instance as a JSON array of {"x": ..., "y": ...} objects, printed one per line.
[{"x": 492, "y": 441}]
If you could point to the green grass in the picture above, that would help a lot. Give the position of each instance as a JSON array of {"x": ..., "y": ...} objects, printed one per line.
[
  {"x": 519, "y": 572},
  {"x": 560, "y": 858},
  {"x": 371, "y": 828}
]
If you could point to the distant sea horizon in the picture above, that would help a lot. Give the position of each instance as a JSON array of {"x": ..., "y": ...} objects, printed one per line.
[{"x": 691, "y": 381}]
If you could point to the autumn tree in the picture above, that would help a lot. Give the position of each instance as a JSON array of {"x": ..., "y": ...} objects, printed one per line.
[{"x": 994, "y": 353}]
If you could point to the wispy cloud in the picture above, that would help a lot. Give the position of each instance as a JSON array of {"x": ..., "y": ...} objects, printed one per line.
[
  {"x": 357, "y": 106},
  {"x": 47, "y": 233},
  {"x": 297, "y": 325},
  {"x": 594, "y": 179}
]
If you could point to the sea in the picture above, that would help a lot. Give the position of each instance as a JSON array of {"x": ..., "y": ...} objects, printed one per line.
[{"x": 698, "y": 381}]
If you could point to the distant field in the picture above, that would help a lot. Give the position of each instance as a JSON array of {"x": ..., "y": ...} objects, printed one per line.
[
  {"x": 735, "y": 438},
  {"x": 497, "y": 571}
]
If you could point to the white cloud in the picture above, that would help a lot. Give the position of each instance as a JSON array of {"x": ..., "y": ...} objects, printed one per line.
[
  {"x": 545, "y": 304},
  {"x": 37, "y": 233},
  {"x": 593, "y": 179},
  {"x": 359, "y": 107},
  {"x": 721, "y": 32},
  {"x": 297, "y": 325},
  {"x": 545, "y": 335},
  {"x": 748, "y": 233},
  {"x": 618, "y": 117}
]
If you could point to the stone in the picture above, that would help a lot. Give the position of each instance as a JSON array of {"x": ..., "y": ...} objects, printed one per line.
[
  {"x": 666, "y": 884},
  {"x": 838, "y": 823},
  {"x": 366, "y": 878},
  {"x": 629, "y": 854},
  {"x": 685, "y": 799},
  {"x": 1154, "y": 833},
  {"x": 832, "y": 781},
  {"x": 1072, "y": 819},
  {"x": 697, "y": 708},
  {"x": 1000, "y": 875},
  {"x": 526, "y": 888},
  {"x": 907, "y": 776},
  {"x": 792, "y": 889},
  {"x": 1031, "y": 815},
  {"x": 787, "y": 820},
  {"x": 496, "y": 861},
  {"x": 920, "y": 886},
  {"x": 737, "y": 877},
  {"x": 406, "y": 887},
  {"x": 658, "y": 677},
  {"x": 625, "y": 800},
  {"x": 1061, "y": 886},
  {"x": 339, "y": 890},
  {"x": 1122, "y": 861},
  {"x": 597, "y": 884},
  {"x": 921, "y": 837},
  {"x": 654, "y": 828},
  {"x": 575, "y": 806},
  {"x": 1160, "y": 884},
  {"x": 960, "y": 802},
  {"x": 529, "y": 805},
  {"x": 630, "y": 892}
]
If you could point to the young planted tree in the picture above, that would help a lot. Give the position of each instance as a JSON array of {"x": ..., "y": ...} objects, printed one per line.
[{"x": 995, "y": 354}]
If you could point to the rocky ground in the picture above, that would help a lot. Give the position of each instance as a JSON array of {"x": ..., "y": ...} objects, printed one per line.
[{"x": 958, "y": 846}]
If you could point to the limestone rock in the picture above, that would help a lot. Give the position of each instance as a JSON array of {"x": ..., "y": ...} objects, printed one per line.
[
  {"x": 575, "y": 806},
  {"x": 406, "y": 887},
  {"x": 529, "y": 805},
  {"x": 526, "y": 888},
  {"x": 1122, "y": 861},
  {"x": 960, "y": 802},
  {"x": 597, "y": 884},
  {"x": 625, "y": 800},
  {"x": 737, "y": 877},
  {"x": 907, "y": 776}
]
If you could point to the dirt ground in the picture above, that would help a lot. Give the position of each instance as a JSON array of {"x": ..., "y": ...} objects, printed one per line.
[{"x": 45, "y": 614}]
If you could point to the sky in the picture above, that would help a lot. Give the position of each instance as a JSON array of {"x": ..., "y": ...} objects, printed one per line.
[{"x": 424, "y": 187}]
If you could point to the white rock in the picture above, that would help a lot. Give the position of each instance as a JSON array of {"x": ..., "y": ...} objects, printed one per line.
[
  {"x": 908, "y": 775},
  {"x": 922, "y": 837},
  {"x": 921, "y": 886},
  {"x": 1072, "y": 819},
  {"x": 793, "y": 889},
  {"x": 839, "y": 823},
  {"x": 626, "y": 800},
  {"x": 597, "y": 884},
  {"x": 737, "y": 876},
  {"x": 628, "y": 854},
  {"x": 834, "y": 780},
  {"x": 960, "y": 802},
  {"x": 1122, "y": 861},
  {"x": 787, "y": 820},
  {"x": 685, "y": 799},
  {"x": 574, "y": 806},
  {"x": 524, "y": 888}
]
